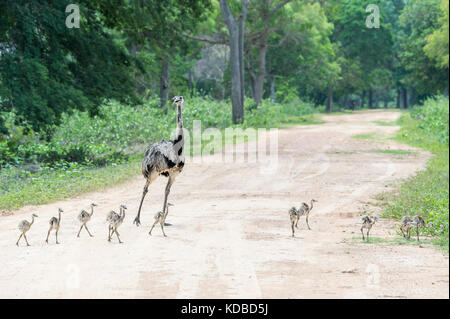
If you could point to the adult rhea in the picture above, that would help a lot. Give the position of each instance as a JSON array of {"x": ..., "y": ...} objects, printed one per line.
[{"x": 164, "y": 158}]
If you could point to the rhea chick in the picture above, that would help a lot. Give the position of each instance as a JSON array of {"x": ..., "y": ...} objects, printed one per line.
[
  {"x": 84, "y": 217},
  {"x": 367, "y": 223},
  {"x": 25, "y": 226},
  {"x": 160, "y": 218},
  {"x": 54, "y": 224},
  {"x": 115, "y": 220}
]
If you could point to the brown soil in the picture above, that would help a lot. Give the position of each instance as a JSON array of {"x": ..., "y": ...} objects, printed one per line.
[{"x": 230, "y": 235}]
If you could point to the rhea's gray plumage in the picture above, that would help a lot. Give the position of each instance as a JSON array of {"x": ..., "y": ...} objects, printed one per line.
[
  {"x": 115, "y": 220},
  {"x": 164, "y": 158},
  {"x": 305, "y": 211},
  {"x": 54, "y": 224},
  {"x": 418, "y": 222},
  {"x": 407, "y": 223},
  {"x": 405, "y": 226},
  {"x": 84, "y": 217},
  {"x": 25, "y": 226},
  {"x": 160, "y": 218},
  {"x": 295, "y": 214},
  {"x": 367, "y": 223}
]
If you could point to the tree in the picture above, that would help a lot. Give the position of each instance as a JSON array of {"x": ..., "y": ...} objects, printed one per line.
[
  {"x": 420, "y": 19},
  {"x": 47, "y": 69},
  {"x": 160, "y": 27},
  {"x": 370, "y": 48},
  {"x": 300, "y": 55},
  {"x": 437, "y": 42},
  {"x": 236, "y": 41},
  {"x": 265, "y": 18}
]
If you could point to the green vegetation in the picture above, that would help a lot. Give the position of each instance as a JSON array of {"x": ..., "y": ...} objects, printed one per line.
[
  {"x": 395, "y": 152},
  {"x": 370, "y": 136},
  {"x": 383, "y": 123},
  {"x": 426, "y": 193},
  {"x": 86, "y": 153},
  {"x": 392, "y": 241},
  {"x": 79, "y": 101}
]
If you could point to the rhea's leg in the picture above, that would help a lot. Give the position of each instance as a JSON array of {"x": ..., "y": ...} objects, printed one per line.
[
  {"x": 162, "y": 228},
  {"x": 48, "y": 234},
  {"x": 137, "y": 220},
  {"x": 307, "y": 223},
  {"x": 109, "y": 233},
  {"x": 17, "y": 243},
  {"x": 167, "y": 192},
  {"x": 156, "y": 221},
  {"x": 401, "y": 229},
  {"x": 117, "y": 234},
  {"x": 292, "y": 226},
  {"x": 57, "y": 236},
  {"x": 24, "y": 236},
  {"x": 80, "y": 230},
  {"x": 417, "y": 232},
  {"x": 362, "y": 232},
  {"x": 88, "y": 230}
]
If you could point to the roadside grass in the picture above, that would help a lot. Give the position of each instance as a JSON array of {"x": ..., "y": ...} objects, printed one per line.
[
  {"x": 392, "y": 241},
  {"x": 384, "y": 123},
  {"x": 427, "y": 192},
  {"x": 19, "y": 188},
  {"x": 301, "y": 120},
  {"x": 51, "y": 185},
  {"x": 367, "y": 136},
  {"x": 395, "y": 152}
]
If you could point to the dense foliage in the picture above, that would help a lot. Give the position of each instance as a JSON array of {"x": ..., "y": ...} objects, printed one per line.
[
  {"x": 87, "y": 152},
  {"x": 47, "y": 69},
  {"x": 426, "y": 193}
]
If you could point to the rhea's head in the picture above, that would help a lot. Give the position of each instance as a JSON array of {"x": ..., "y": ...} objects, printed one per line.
[{"x": 178, "y": 100}]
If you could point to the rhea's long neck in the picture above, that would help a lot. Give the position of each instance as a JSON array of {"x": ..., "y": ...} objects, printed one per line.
[
  {"x": 179, "y": 139},
  {"x": 59, "y": 217},
  {"x": 179, "y": 120},
  {"x": 32, "y": 220},
  {"x": 312, "y": 203},
  {"x": 92, "y": 210}
]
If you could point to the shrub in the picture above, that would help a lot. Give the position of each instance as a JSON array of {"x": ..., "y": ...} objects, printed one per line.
[{"x": 433, "y": 117}]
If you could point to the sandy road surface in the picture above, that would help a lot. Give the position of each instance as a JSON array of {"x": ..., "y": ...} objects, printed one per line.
[{"x": 230, "y": 233}]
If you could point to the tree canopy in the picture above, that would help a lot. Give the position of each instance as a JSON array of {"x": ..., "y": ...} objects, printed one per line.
[{"x": 129, "y": 50}]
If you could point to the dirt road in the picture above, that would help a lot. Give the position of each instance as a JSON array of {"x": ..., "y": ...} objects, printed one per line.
[{"x": 230, "y": 235}]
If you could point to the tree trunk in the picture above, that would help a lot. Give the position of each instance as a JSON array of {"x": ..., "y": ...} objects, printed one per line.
[
  {"x": 403, "y": 98},
  {"x": 259, "y": 85},
  {"x": 235, "y": 58},
  {"x": 398, "y": 98},
  {"x": 412, "y": 97},
  {"x": 272, "y": 89},
  {"x": 345, "y": 101},
  {"x": 190, "y": 82},
  {"x": 164, "y": 84},
  {"x": 330, "y": 100},
  {"x": 363, "y": 99},
  {"x": 370, "y": 98},
  {"x": 377, "y": 99},
  {"x": 241, "y": 47},
  {"x": 251, "y": 79}
]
